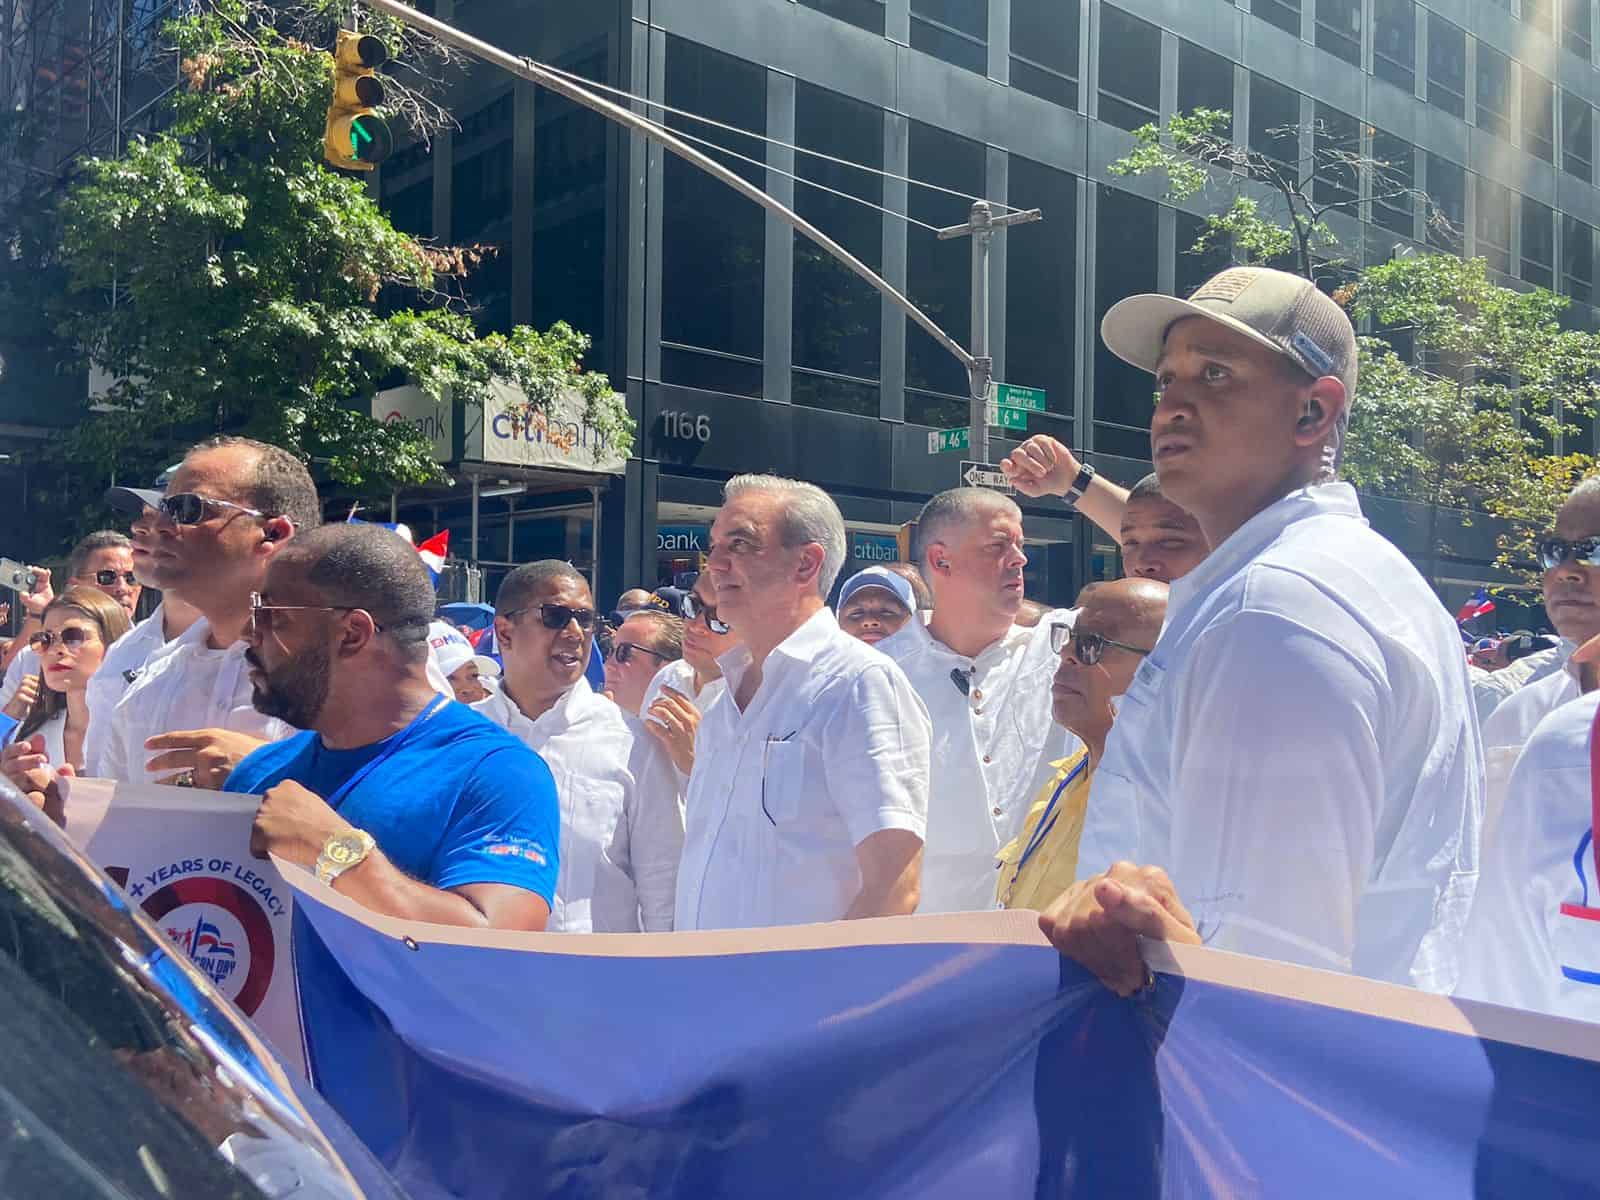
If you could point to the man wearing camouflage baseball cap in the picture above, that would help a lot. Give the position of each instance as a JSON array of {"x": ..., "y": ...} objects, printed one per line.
[{"x": 1297, "y": 759}]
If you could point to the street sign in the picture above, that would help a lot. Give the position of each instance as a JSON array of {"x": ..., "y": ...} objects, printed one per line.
[
  {"x": 941, "y": 440},
  {"x": 1005, "y": 418},
  {"x": 984, "y": 475},
  {"x": 1009, "y": 395}
]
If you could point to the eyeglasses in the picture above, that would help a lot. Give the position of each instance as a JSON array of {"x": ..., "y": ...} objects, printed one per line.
[
  {"x": 557, "y": 616},
  {"x": 1553, "y": 551},
  {"x": 692, "y": 608},
  {"x": 623, "y": 652},
  {"x": 72, "y": 638},
  {"x": 261, "y": 615},
  {"x": 190, "y": 508},
  {"x": 109, "y": 578},
  {"x": 1087, "y": 648}
]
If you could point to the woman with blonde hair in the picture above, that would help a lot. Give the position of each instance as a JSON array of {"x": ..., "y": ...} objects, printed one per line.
[{"x": 79, "y": 625}]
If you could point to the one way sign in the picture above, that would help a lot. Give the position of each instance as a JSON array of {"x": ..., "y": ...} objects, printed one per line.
[{"x": 984, "y": 475}]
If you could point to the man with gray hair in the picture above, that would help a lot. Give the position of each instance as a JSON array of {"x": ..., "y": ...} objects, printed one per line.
[
  {"x": 985, "y": 679},
  {"x": 1297, "y": 761},
  {"x": 809, "y": 796}
]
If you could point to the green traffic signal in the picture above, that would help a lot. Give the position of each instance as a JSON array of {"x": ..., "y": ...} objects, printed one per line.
[{"x": 370, "y": 140}]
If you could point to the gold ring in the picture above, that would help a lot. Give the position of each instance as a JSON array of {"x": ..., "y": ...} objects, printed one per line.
[{"x": 183, "y": 779}]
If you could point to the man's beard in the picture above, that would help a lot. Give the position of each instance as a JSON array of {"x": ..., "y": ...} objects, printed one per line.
[{"x": 296, "y": 692}]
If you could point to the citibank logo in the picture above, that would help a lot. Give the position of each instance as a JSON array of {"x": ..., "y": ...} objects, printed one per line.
[
  {"x": 432, "y": 426},
  {"x": 540, "y": 429}
]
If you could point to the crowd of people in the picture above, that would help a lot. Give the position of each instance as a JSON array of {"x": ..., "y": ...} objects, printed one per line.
[{"x": 1267, "y": 737}]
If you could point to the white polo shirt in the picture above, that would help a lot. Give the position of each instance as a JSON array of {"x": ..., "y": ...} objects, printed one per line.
[
  {"x": 1533, "y": 940},
  {"x": 832, "y": 748},
  {"x": 621, "y": 827},
  {"x": 1300, "y": 752},
  {"x": 1512, "y": 723},
  {"x": 123, "y": 663},
  {"x": 993, "y": 744},
  {"x": 186, "y": 684}
]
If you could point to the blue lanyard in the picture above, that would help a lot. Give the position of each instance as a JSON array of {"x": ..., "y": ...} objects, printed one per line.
[
  {"x": 395, "y": 742},
  {"x": 1047, "y": 819}
]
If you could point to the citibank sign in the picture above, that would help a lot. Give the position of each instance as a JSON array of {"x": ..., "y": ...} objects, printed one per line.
[
  {"x": 412, "y": 406},
  {"x": 559, "y": 438}
]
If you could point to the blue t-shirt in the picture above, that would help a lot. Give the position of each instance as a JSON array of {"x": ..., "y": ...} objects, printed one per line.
[{"x": 460, "y": 801}]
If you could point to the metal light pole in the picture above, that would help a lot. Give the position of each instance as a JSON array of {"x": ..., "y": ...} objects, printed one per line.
[{"x": 978, "y": 364}]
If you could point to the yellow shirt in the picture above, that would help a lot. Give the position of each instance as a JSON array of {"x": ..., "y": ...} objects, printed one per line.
[{"x": 1039, "y": 865}]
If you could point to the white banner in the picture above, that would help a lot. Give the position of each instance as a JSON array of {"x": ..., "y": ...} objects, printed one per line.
[
  {"x": 183, "y": 855},
  {"x": 559, "y": 439},
  {"x": 412, "y": 406}
]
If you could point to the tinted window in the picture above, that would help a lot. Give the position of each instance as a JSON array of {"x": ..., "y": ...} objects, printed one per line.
[
  {"x": 1130, "y": 70},
  {"x": 954, "y": 30},
  {"x": 1394, "y": 42},
  {"x": 1577, "y": 136},
  {"x": 869, "y": 14},
  {"x": 1538, "y": 116},
  {"x": 1447, "y": 66},
  {"x": 1392, "y": 198},
  {"x": 1494, "y": 91},
  {"x": 1336, "y": 141},
  {"x": 1538, "y": 243},
  {"x": 480, "y": 208},
  {"x": 1447, "y": 188},
  {"x": 713, "y": 241},
  {"x": 837, "y": 317},
  {"x": 1125, "y": 264},
  {"x": 1194, "y": 266},
  {"x": 1275, "y": 122},
  {"x": 1205, "y": 80},
  {"x": 1339, "y": 29},
  {"x": 1577, "y": 259},
  {"x": 1494, "y": 224},
  {"x": 939, "y": 274},
  {"x": 1044, "y": 49},
  {"x": 1285, "y": 14},
  {"x": 1041, "y": 284},
  {"x": 1577, "y": 28}
]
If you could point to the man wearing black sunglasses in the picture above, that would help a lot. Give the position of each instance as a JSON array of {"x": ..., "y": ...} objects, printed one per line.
[
  {"x": 228, "y": 509},
  {"x": 1570, "y": 559},
  {"x": 645, "y": 642},
  {"x": 621, "y": 827}
]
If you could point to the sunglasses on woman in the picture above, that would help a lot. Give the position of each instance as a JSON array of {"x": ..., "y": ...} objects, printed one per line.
[
  {"x": 1087, "y": 648},
  {"x": 692, "y": 608},
  {"x": 623, "y": 652},
  {"x": 1553, "y": 551},
  {"x": 72, "y": 638},
  {"x": 556, "y": 616}
]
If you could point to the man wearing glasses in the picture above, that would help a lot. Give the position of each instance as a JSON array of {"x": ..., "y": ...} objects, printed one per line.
[
  {"x": 621, "y": 828},
  {"x": 1570, "y": 557},
  {"x": 1297, "y": 761},
  {"x": 396, "y": 795},
  {"x": 645, "y": 642},
  {"x": 1116, "y": 626},
  {"x": 230, "y": 507}
]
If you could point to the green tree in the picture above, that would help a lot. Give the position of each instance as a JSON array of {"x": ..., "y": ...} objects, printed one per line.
[{"x": 228, "y": 279}]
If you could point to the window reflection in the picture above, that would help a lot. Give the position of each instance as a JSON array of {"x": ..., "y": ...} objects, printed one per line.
[
  {"x": 1125, "y": 264},
  {"x": 1041, "y": 284}
]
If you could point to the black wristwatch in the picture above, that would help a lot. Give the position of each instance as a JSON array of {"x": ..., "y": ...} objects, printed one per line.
[{"x": 1080, "y": 485}]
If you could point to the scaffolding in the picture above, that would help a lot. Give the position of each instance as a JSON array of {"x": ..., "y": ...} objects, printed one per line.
[{"x": 83, "y": 76}]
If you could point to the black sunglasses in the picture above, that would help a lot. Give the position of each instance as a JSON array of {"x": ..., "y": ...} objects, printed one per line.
[
  {"x": 623, "y": 652},
  {"x": 1553, "y": 551},
  {"x": 261, "y": 615},
  {"x": 557, "y": 616},
  {"x": 109, "y": 578},
  {"x": 692, "y": 608},
  {"x": 190, "y": 508},
  {"x": 71, "y": 638},
  {"x": 1087, "y": 648}
]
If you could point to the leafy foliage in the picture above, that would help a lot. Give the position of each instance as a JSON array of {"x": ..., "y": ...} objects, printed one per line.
[{"x": 229, "y": 279}]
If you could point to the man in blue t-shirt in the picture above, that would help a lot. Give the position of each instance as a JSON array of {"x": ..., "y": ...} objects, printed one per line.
[{"x": 400, "y": 798}]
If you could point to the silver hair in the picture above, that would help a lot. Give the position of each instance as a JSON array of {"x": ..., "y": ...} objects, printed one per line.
[
  {"x": 949, "y": 510},
  {"x": 809, "y": 515},
  {"x": 1585, "y": 489}
]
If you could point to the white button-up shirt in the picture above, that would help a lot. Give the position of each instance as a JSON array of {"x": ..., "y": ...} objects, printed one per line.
[
  {"x": 185, "y": 684},
  {"x": 832, "y": 748},
  {"x": 123, "y": 663},
  {"x": 993, "y": 744},
  {"x": 679, "y": 676},
  {"x": 1533, "y": 940},
  {"x": 1300, "y": 752},
  {"x": 1512, "y": 723},
  {"x": 621, "y": 827}
]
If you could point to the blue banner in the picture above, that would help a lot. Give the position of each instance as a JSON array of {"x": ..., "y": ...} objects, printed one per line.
[{"x": 919, "y": 1057}]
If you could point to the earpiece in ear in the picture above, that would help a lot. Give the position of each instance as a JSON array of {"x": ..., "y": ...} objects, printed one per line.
[{"x": 1313, "y": 412}]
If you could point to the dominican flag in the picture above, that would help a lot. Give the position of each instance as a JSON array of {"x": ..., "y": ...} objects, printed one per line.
[
  {"x": 1480, "y": 605},
  {"x": 435, "y": 550}
]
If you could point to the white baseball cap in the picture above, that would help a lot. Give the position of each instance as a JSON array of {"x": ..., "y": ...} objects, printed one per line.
[{"x": 451, "y": 651}]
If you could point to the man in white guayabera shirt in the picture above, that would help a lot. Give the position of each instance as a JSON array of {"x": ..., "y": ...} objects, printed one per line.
[
  {"x": 986, "y": 683},
  {"x": 809, "y": 795},
  {"x": 621, "y": 827},
  {"x": 1298, "y": 761}
]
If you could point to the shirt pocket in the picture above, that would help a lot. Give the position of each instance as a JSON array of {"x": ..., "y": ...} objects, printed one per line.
[
  {"x": 1577, "y": 941},
  {"x": 782, "y": 782}
]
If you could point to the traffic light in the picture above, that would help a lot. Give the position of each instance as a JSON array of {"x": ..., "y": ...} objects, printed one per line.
[{"x": 357, "y": 138}]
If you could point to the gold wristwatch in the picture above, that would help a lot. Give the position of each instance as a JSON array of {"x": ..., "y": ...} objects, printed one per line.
[{"x": 343, "y": 851}]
